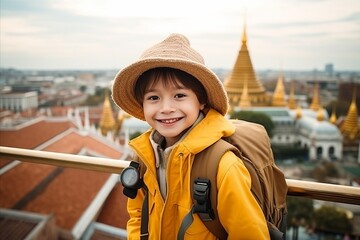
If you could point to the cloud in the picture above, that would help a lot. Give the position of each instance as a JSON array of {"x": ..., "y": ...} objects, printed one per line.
[{"x": 101, "y": 33}]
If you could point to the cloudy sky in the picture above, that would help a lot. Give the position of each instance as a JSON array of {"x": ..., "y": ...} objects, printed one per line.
[{"x": 110, "y": 34}]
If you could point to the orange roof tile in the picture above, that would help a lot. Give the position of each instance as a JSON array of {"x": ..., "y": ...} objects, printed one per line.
[
  {"x": 32, "y": 136},
  {"x": 71, "y": 191}
]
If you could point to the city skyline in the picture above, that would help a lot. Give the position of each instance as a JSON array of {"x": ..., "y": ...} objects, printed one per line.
[{"x": 282, "y": 34}]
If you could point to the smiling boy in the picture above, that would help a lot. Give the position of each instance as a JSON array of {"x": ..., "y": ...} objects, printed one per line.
[{"x": 184, "y": 103}]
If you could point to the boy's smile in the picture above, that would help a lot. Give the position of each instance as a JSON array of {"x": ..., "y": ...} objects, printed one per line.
[
  {"x": 169, "y": 121},
  {"x": 171, "y": 109}
]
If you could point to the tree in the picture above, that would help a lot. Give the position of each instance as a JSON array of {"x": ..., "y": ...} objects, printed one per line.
[
  {"x": 135, "y": 134},
  {"x": 330, "y": 219},
  {"x": 83, "y": 88},
  {"x": 255, "y": 117},
  {"x": 324, "y": 171},
  {"x": 97, "y": 98},
  {"x": 300, "y": 213}
]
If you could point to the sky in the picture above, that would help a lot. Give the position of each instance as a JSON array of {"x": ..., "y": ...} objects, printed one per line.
[{"x": 111, "y": 34}]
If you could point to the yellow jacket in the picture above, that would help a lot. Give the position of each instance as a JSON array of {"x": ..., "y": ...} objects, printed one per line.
[{"x": 238, "y": 210}]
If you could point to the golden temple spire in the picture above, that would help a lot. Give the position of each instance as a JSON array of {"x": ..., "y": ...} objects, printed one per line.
[
  {"x": 244, "y": 37},
  {"x": 292, "y": 101},
  {"x": 119, "y": 122},
  {"x": 350, "y": 127},
  {"x": 107, "y": 121},
  {"x": 333, "y": 118},
  {"x": 315, "y": 104},
  {"x": 320, "y": 114},
  {"x": 298, "y": 113},
  {"x": 242, "y": 72},
  {"x": 244, "y": 100},
  {"x": 279, "y": 93}
]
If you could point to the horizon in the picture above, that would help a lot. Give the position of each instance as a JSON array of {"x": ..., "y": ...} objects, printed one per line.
[{"x": 212, "y": 68}]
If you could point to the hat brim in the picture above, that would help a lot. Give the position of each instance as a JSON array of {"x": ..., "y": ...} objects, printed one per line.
[{"x": 124, "y": 83}]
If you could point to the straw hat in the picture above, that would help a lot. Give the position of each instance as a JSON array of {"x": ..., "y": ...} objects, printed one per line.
[{"x": 173, "y": 52}]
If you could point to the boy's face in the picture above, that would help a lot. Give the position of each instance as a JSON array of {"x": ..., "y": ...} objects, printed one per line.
[{"x": 171, "y": 109}]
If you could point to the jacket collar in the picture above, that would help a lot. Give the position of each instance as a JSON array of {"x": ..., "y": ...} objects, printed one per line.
[{"x": 213, "y": 127}]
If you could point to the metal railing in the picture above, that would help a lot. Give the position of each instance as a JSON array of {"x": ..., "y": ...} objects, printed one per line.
[{"x": 313, "y": 190}]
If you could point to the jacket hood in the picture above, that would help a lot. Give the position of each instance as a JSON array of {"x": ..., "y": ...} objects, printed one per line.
[{"x": 213, "y": 127}]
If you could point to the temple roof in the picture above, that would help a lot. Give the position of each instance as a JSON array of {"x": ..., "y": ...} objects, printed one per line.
[
  {"x": 292, "y": 101},
  {"x": 279, "y": 93},
  {"x": 333, "y": 117},
  {"x": 244, "y": 100},
  {"x": 315, "y": 104},
  {"x": 107, "y": 121},
  {"x": 350, "y": 127},
  {"x": 318, "y": 129},
  {"x": 242, "y": 72}
]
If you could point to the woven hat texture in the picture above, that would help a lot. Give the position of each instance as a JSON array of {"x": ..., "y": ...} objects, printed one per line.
[{"x": 174, "y": 52}]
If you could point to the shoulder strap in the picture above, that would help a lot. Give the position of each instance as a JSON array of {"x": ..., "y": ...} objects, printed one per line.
[
  {"x": 205, "y": 166},
  {"x": 144, "y": 224}
]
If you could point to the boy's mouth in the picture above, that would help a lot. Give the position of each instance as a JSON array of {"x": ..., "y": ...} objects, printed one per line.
[{"x": 168, "y": 121}]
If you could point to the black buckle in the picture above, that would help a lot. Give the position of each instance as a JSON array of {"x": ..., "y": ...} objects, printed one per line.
[{"x": 201, "y": 194}]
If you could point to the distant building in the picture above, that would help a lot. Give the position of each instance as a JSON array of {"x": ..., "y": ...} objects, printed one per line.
[
  {"x": 316, "y": 133},
  {"x": 329, "y": 69},
  {"x": 18, "y": 102}
]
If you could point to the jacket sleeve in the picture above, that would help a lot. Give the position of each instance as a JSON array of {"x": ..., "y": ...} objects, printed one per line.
[
  {"x": 239, "y": 212},
  {"x": 134, "y": 207}
]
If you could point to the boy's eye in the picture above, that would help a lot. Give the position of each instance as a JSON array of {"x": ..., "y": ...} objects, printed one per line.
[
  {"x": 180, "y": 95},
  {"x": 152, "y": 98}
]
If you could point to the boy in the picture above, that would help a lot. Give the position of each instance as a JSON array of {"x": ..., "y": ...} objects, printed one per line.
[{"x": 184, "y": 103}]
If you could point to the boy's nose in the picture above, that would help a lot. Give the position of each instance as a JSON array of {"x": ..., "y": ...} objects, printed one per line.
[{"x": 167, "y": 106}]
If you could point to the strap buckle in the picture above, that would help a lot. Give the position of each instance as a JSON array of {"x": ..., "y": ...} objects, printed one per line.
[{"x": 201, "y": 195}]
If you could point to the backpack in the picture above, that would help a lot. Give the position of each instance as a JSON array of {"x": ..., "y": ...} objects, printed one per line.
[{"x": 251, "y": 144}]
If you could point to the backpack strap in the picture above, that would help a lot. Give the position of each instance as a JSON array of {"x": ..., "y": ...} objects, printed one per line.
[
  {"x": 144, "y": 223},
  {"x": 205, "y": 166},
  {"x": 144, "y": 231}
]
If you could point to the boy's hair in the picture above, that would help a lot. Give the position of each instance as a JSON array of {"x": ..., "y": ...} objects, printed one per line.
[{"x": 168, "y": 76}]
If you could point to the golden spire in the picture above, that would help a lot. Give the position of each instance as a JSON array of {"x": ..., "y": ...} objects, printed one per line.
[
  {"x": 350, "y": 127},
  {"x": 107, "y": 121},
  {"x": 315, "y": 104},
  {"x": 333, "y": 118},
  {"x": 320, "y": 114},
  {"x": 242, "y": 72},
  {"x": 119, "y": 121},
  {"x": 279, "y": 93},
  {"x": 292, "y": 101},
  {"x": 244, "y": 100},
  {"x": 298, "y": 113},
  {"x": 244, "y": 37}
]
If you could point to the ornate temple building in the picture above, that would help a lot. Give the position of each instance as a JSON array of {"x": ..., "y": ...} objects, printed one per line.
[
  {"x": 243, "y": 78},
  {"x": 308, "y": 127}
]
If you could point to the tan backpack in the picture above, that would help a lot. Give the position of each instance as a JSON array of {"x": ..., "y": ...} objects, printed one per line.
[{"x": 251, "y": 144}]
